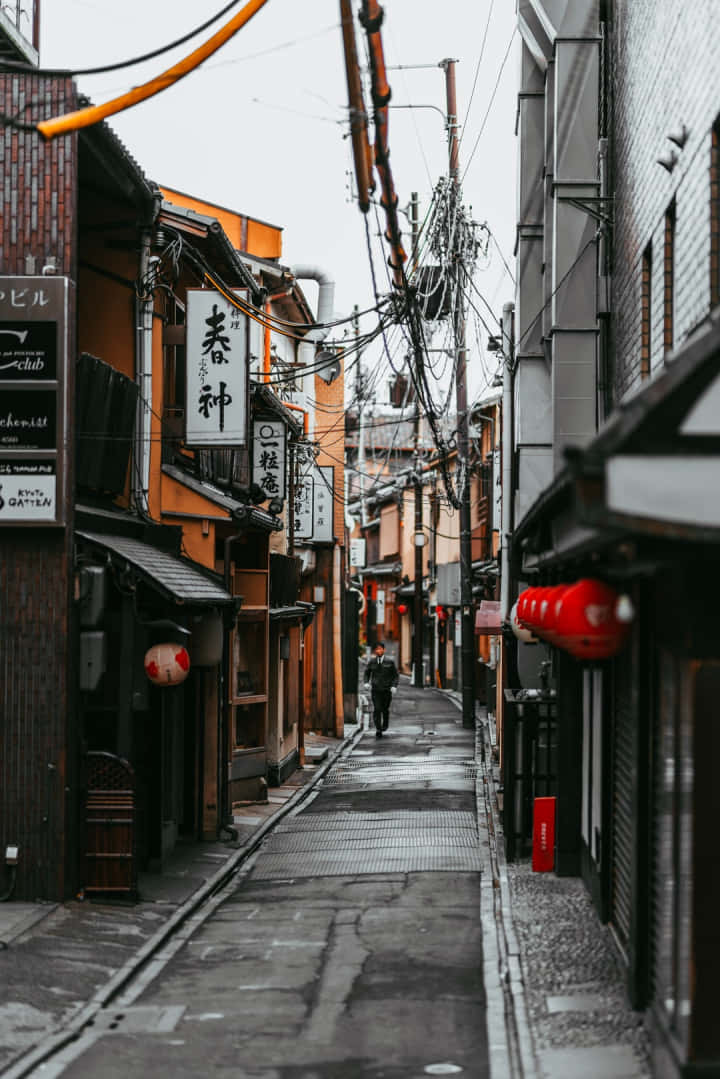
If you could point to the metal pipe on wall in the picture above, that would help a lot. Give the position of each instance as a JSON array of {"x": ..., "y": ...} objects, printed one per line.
[{"x": 507, "y": 456}]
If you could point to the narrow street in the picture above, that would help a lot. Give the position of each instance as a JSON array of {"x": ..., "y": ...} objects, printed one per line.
[{"x": 351, "y": 946}]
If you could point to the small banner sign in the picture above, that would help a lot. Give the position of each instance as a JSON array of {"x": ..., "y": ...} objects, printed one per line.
[
  {"x": 543, "y": 849},
  {"x": 269, "y": 456}
]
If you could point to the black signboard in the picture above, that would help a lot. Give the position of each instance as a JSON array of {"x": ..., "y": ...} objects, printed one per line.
[
  {"x": 28, "y": 351},
  {"x": 28, "y": 419}
]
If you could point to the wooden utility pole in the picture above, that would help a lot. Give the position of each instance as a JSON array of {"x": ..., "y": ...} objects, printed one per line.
[
  {"x": 467, "y": 642},
  {"x": 418, "y": 642}
]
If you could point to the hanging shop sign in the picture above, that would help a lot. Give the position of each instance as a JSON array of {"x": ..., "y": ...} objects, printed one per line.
[
  {"x": 33, "y": 399},
  {"x": 217, "y": 370},
  {"x": 314, "y": 504},
  {"x": 167, "y": 664},
  {"x": 269, "y": 456},
  {"x": 380, "y": 607},
  {"x": 303, "y": 508},
  {"x": 357, "y": 553},
  {"x": 324, "y": 480}
]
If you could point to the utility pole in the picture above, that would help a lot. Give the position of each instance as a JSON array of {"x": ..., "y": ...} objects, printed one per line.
[
  {"x": 418, "y": 642},
  {"x": 467, "y": 640}
]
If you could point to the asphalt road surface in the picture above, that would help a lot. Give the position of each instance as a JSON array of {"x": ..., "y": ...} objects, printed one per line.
[{"x": 352, "y": 945}]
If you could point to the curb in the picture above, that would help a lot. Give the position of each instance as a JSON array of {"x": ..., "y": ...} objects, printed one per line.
[
  {"x": 29, "y": 922},
  {"x": 24, "y": 1065}
]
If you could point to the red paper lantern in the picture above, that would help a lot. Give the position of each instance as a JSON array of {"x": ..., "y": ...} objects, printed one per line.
[
  {"x": 521, "y": 632},
  {"x": 402, "y": 608},
  {"x": 586, "y": 623},
  {"x": 547, "y": 623},
  {"x": 442, "y": 613},
  {"x": 167, "y": 664},
  {"x": 524, "y": 603},
  {"x": 532, "y": 607}
]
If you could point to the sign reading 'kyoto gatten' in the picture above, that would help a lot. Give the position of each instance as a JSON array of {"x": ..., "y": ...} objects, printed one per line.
[
  {"x": 217, "y": 370},
  {"x": 33, "y": 399}
]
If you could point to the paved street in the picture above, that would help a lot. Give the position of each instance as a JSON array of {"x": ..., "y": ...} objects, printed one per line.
[{"x": 351, "y": 947}]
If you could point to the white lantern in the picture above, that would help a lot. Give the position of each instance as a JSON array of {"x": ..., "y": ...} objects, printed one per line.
[
  {"x": 167, "y": 664},
  {"x": 521, "y": 632}
]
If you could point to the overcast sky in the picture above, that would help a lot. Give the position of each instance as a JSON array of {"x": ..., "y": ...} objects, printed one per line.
[{"x": 261, "y": 126}]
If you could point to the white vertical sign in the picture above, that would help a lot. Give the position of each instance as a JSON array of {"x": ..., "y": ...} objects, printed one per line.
[
  {"x": 324, "y": 504},
  {"x": 217, "y": 371},
  {"x": 268, "y": 453},
  {"x": 380, "y": 607},
  {"x": 303, "y": 509}
]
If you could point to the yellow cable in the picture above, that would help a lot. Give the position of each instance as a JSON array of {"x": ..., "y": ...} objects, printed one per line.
[{"x": 72, "y": 121}]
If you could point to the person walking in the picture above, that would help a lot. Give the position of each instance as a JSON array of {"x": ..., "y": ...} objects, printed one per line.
[{"x": 381, "y": 676}]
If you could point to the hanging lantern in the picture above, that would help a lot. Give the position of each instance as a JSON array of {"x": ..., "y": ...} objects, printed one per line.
[
  {"x": 523, "y": 603},
  {"x": 547, "y": 622},
  {"x": 586, "y": 622},
  {"x": 532, "y": 607},
  {"x": 520, "y": 631},
  {"x": 167, "y": 664},
  {"x": 442, "y": 613},
  {"x": 402, "y": 608}
]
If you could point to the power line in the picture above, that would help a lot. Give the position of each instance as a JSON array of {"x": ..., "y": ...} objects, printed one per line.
[{"x": 490, "y": 104}]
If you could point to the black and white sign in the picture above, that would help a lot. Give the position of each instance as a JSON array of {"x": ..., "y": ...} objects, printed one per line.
[
  {"x": 28, "y": 351},
  {"x": 217, "y": 370},
  {"x": 27, "y": 491},
  {"x": 33, "y": 399},
  {"x": 324, "y": 504},
  {"x": 269, "y": 456},
  {"x": 28, "y": 419},
  {"x": 357, "y": 553},
  {"x": 303, "y": 510}
]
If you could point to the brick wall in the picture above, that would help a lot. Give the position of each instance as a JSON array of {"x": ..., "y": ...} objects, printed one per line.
[
  {"x": 666, "y": 74},
  {"x": 38, "y": 758}
]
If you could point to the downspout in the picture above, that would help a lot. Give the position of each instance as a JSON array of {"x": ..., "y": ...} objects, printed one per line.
[
  {"x": 144, "y": 312},
  {"x": 326, "y": 297},
  {"x": 507, "y": 456}
]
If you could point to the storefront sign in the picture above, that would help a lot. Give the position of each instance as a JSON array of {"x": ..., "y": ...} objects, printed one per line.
[
  {"x": 380, "y": 607},
  {"x": 27, "y": 491},
  {"x": 324, "y": 504},
  {"x": 28, "y": 419},
  {"x": 269, "y": 456},
  {"x": 28, "y": 351},
  {"x": 217, "y": 370},
  {"x": 357, "y": 553},
  {"x": 33, "y": 399},
  {"x": 303, "y": 509}
]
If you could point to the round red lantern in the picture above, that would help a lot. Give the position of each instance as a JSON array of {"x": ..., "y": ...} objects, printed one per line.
[
  {"x": 442, "y": 613},
  {"x": 402, "y": 608},
  {"x": 547, "y": 623},
  {"x": 586, "y": 622},
  {"x": 521, "y": 632},
  {"x": 524, "y": 601},
  {"x": 167, "y": 664},
  {"x": 532, "y": 607}
]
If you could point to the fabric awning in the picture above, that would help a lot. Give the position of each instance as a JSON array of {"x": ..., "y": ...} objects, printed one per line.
[{"x": 177, "y": 578}]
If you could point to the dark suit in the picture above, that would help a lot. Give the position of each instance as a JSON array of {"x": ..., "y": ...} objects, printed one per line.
[{"x": 382, "y": 675}]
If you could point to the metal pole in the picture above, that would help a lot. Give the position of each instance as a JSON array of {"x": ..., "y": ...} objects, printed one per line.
[
  {"x": 361, "y": 419},
  {"x": 507, "y": 454},
  {"x": 467, "y": 640},
  {"x": 418, "y": 641}
]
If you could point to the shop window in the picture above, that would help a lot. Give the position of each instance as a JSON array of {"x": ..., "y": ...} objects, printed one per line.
[
  {"x": 669, "y": 279},
  {"x": 646, "y": 313},
  {"x": 715, "y": 215}
]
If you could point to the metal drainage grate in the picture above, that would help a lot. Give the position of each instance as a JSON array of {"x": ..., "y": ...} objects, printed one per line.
[
  {"x": 346, "y": 863},
  {"x": 367, "y": 840},
  {"x": 428, "y": 771},
  {"x": 346, "y": 820}
]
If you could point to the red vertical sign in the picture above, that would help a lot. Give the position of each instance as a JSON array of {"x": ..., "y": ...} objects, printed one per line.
[{"x": 543, "y": 855}]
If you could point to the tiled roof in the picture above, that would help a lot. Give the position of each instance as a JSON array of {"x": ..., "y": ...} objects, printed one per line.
[{"x": 176, "y": 577}]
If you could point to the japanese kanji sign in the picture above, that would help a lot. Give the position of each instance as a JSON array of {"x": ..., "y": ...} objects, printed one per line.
[
  {"x": 304, "y": 502},
  {"x": 217, "y": 371},
  {"x": 324, "y": 504},
  {"x": 314, "y": 504},
  {"x": 33, "y": 399},
  {"x": 268, "y": 453}
]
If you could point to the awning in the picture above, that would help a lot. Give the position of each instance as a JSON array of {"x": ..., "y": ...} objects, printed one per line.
[
  {"x": 293, "y": 614},
  {"x": 177, "y": 578},
  {"x": 382, "y": 569},
  {"x": 651, "y": 471}
]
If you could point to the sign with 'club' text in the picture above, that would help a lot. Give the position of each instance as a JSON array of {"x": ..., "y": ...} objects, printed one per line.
[{"x": 33, "y": 399}]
